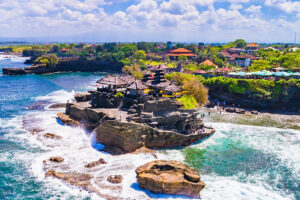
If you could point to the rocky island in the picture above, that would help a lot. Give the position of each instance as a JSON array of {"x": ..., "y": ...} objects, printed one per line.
[
  {"x": 125, "y": 119},
  {"x": 126, "y": 115}
]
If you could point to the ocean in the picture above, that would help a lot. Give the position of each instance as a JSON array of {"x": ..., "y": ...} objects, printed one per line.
[{"x": 238, "y": 162}]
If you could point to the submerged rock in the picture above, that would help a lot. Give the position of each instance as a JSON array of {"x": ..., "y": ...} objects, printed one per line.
[
  {"x": 115, "y": 179},
  {"x": 52, "y": 136},
  {"x": 56, "y": 159},
  {"x": 74, "y": 178},
  {"x": 67, "y": 120},
  {"x": 170, "y": 177},
  {"x": 95, "y": 163},
  {"x": 58, "y": 105}
]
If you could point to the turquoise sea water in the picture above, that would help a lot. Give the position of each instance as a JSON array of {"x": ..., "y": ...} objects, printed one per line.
[{"x": 237, "y": 162}]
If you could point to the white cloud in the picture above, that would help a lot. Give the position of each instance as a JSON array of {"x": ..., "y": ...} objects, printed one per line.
[
  {"x": 236, "y": 6},
  {"x": 253, "y": 9},
  {"x": 173, "y": 19},
  {"x": 284, "y": 5}
]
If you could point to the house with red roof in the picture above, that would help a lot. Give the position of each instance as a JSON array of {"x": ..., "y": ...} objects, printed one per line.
[{"x": 250, "y": 48}]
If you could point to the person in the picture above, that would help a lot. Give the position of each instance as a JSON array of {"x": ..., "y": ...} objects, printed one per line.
[{"x": 208, "y": 113}]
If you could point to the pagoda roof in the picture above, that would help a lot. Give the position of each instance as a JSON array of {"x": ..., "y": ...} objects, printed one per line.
[
  {"x": 172, "y": 88},
  {"x": 137, "y": 85},
  {"x": 112, "y": 80}
]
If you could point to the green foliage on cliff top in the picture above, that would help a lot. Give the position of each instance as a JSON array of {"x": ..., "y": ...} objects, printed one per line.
[
  {"x": 49, "y": 60},
  {"x": 255, "y": 88},
  {"x": 188, "y": 101}
]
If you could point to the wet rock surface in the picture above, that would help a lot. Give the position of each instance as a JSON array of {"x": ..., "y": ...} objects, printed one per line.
[
  {"x": 170, "y": 177},
  {"x": 56, "y": 159},
  {"x": 58, "y": 105},
  {"x": 67, "y": 120},
  {"x": 115, "y": 179},
  {"x": 95, "y": 163},
  {"x": 52, "y": 136}
]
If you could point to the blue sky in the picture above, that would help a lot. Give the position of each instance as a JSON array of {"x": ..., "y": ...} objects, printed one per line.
[{"x": 151, "y": 20}]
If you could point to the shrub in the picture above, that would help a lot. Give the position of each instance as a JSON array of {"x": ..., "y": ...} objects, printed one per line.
[
  {"x": 188, "y": 101},
  {"x": 119, "y": 95},
  {"x": 196, "y": 89}
]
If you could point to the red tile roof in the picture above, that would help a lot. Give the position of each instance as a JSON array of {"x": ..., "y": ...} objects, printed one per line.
[
  {"x": 253, "y": 44},
  {"x": 209, "y": 63},
  {"x": 181, "y": 51}
]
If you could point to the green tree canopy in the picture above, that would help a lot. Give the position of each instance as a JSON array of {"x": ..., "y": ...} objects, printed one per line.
[
  {"x": 240, "y": 43},
  {"x": 182, "y": 58},
  {"x": 140, "y": 54}
]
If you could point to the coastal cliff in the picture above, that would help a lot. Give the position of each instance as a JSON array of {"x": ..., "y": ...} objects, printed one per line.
[{"x": 68, "y": 65}]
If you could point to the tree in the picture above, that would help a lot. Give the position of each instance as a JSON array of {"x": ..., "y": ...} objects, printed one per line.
[
  {"x": 50, "y": 60},
  {"x": 140, "y": 54},
  {"x": 193, "y": 48},
  {"x": 258, "y": 65},
  {"x": 56, "y": 48},
  {"x": 182, "y": 58},
  {"x": 179, "y": 45},
  {"x": 128, "y": 49},
  {"x": 240, "y": 43},
  {"x": 99, "y": 48}
]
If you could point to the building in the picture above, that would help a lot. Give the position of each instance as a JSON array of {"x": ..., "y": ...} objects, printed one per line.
[
  {"x": 250, "y": 48},
  {"x": 137, "y": 88},
  {"x": 241, "y": 60},
  {"x": 180, "y": 52},
  {"x": 209, "y": 63}
]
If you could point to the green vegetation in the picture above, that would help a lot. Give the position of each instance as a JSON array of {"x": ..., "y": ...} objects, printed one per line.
[
  {"x": 49, "y": 60},
  {"x": 188, "y": 101},
  {"x": 119, "y": 95},
  {"x": 259, "y": 65},
  {"x": 253, "y": 88}
]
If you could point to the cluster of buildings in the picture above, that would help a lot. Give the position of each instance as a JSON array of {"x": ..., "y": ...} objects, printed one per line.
[{"x": 241, "y": 57}]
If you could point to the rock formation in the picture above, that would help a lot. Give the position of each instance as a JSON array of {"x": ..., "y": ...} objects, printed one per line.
[
  {"x": 56, "y": 159},
  {"x": 115, "y": 179},
  {"x": 83, "y": 96},
  {"x": 132, "y": 136},
  {"x": 58, "y": 105},
  {"x": 67, "y": 120},
  {"x": 170, "y": 177},
  {"x": 95, "y": 163},
  {"x": 52, "y": 136}
]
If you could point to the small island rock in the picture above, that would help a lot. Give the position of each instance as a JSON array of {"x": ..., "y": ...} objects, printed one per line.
[
  {"x": 56, "y": 159},
  {"x": 115, "y": 179},
  {"x": 95, "y": 163},
  {"x": 170, "y": 177}
]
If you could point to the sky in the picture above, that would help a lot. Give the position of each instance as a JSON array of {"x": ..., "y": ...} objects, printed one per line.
[{"x": 151, "y": 20}]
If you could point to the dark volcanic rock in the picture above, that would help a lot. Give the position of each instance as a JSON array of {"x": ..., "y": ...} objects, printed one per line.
[
  {"x": 115, "y": 179},
  {"x": 95, "y": 163},
  {"x": 169, "y": 177},
  {"x": 84, "y": 96},
  {"x": 56, "y": 159}
]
